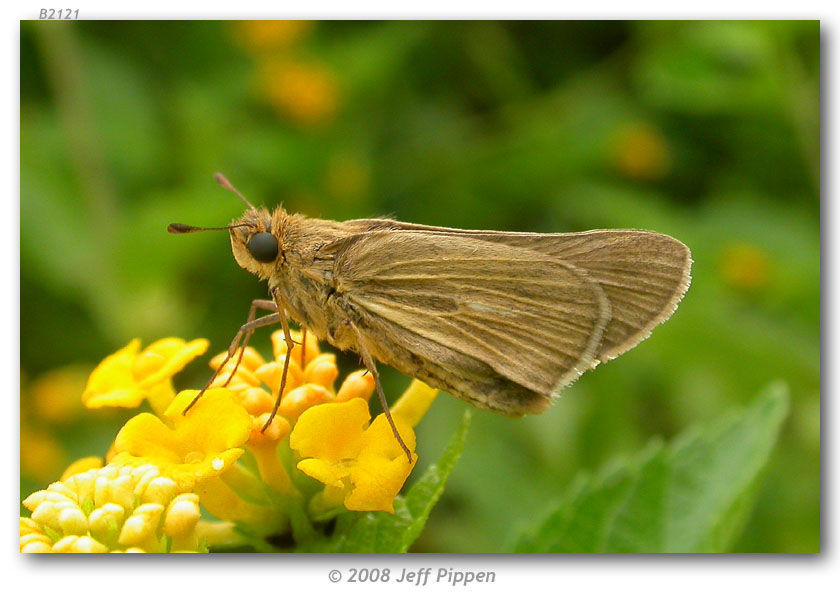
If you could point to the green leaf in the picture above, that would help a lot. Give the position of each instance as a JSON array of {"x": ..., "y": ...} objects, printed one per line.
[
  {"x": 693, "y": 495},
  {"x": 384, "y": 532}
]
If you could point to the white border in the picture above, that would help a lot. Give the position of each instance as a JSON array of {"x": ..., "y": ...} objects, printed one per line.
[{"x": 273, "y": 576}]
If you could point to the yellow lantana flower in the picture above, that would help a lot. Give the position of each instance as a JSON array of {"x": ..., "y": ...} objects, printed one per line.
[
  {"x": 112, "y": 509},
  {"x": 188, "y": 448},
  {"x": 309, "y": 381},
  {"x": 361, "y": 463},
  {"x": 363, "y": 466},
  {"x": 344, "y": 450},
  {"x": 160, "y": 467},
  {"x": 128, "y": 376}
]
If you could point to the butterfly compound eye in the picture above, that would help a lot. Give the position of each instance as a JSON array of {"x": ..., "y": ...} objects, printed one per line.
[{"x": 263, "y": 247}]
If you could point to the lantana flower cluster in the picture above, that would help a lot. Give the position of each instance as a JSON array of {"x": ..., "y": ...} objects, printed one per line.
[
  {"x": 321, "y": 454},
  {"x": 112, "y": 509}
]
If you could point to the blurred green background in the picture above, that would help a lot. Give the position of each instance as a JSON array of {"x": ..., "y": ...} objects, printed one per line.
[{"x": 707, "y": 131}]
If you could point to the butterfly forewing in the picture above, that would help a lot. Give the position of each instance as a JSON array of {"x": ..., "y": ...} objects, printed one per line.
[
  {"x": 533, "y": 319},
  {"x": 644, "y": 274}
]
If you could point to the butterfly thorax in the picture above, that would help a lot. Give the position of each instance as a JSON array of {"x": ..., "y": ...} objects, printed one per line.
[{"x": 302, "y": 269}]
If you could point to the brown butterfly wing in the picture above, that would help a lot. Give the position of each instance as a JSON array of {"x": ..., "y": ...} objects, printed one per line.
[
  {"x": 532, "y": 318},
  {"x": 643, "y": 274}
]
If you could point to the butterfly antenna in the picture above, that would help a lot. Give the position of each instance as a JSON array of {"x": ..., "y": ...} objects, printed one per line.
[
  {"x": 181, "y": 228},
  {"x": 223, "y": 181}
]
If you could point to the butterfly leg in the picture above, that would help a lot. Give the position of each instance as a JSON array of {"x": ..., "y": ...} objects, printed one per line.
[
  {"x": 245, "y": 331},
  {"x": 370, "y": 365},
  {"x": 282, "y": 317},
  {"x": 252, "y": 313}
]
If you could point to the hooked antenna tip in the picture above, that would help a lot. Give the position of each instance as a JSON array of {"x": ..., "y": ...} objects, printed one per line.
[
  {"x": 179, "y": 228},
  {"x": 223, "y": 181}
]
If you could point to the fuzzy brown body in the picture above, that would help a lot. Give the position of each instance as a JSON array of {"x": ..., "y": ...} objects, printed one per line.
[{"x": 501, "y": 320}]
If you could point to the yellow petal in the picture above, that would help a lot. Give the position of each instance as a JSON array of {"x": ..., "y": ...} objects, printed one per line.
[
  {"x": 175, "y": 352},
  {"x": 256, "y": 400},
  {"x": 332, "y": 431},
  {"x": 160, "y": 396},
  {"x": 379, "y": 438},
  {"x": 358, "y": 384},
  {"x": 214, "y": 423},
  {"x": 381, "y": 467},
  {"x": 251, "y": 360},
  {"x": 221, "y": 502},
  {"x": 148, "y": 362},
  {"x": 325, "y": 472},
  {"x": 145, "y": 435},
  {"x": 271, "y": 374},
  {"x": 301, "y": 398},
  {"x": 376, "y": 481},
  {"x": 276, "y": 431},
  {"x": 414, "y": 402},
  {"x": 122, "y": 398},
  {"x": 322, "y": 371},
  {"x": 278, "y": 342},
  {"x": 111, "y": 382},
  {"x": 188, "y": 448},
  {"x": 243, "y": 375},
  {"x": 188, "y": 474}
]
